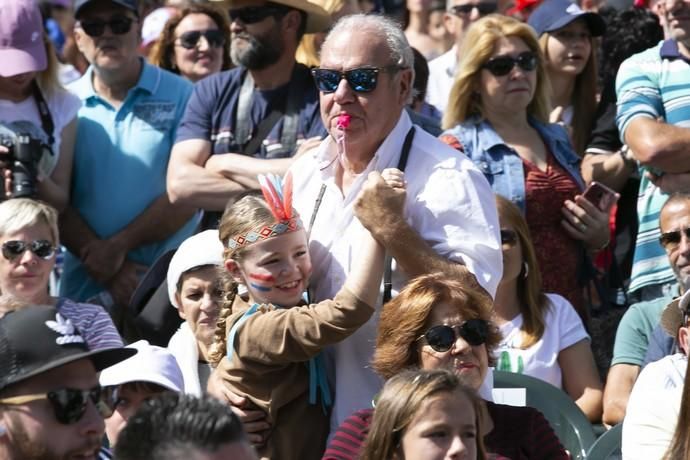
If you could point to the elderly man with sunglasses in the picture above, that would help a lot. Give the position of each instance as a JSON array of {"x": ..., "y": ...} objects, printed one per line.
[
  {"x": 120, "y": 219},
  {"x": 459, "y": 16},
  {"x": 51, "y": 405},
  {"x": 447, "y": 220},
  {"x": 251, "y": 119}
]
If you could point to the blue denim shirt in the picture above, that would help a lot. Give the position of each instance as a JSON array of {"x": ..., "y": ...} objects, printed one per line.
[{"x": 501, "y": 164}]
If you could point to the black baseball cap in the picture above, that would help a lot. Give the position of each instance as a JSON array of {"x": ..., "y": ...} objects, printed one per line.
[
  {"x": 129, "y": 4},
  {"x": 37, "y": 338},
  {"x": 553, "y": 14}
]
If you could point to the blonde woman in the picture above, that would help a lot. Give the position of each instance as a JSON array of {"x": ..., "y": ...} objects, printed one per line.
[
  {"x": 310, "y": 46},
  {"x": 498, "y": 115}
]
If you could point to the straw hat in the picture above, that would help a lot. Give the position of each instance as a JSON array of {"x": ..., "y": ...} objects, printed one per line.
[
  {"x": 672, "y": 316},
  {"x": 318, "y": 19}
]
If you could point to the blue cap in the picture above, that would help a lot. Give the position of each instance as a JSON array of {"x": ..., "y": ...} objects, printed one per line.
[
  {"x": 131, "y": 5},
  {"x": 554, "y": 14}
]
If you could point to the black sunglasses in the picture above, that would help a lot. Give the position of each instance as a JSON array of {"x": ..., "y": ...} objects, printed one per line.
[
  {"x": 671, "y": 240},
  {"x": 508, "y": 237},
  {"x": 361, "y": 79},
  {"x": 214, "y": 37},
  {"x": 442, "y": 338},
  {"x": 119, "y": 25},
  {"x": 69, "y": 404},
  {"x": 482, "y": 8},
  {"x": 500, "y": 66},
  {"x": 15, "y": 248},
  {"x": 254, "y": 14}
]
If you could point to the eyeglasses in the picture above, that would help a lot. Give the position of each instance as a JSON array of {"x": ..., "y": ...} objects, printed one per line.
[
  {"x": 15, "y": 248},
  {"x": 69, "y": 404},
  {"x": 508, "y": 237},
  {"x": 500, "y": 66},
  {"x": 483, "y": 9},
  {"x": 119, "y": 25},
  {"x": 441, "y": 338},
  {"x": 214, "y": 37},
  {"x": 361, "y": 80},
  {"x": 254, "y": 14},
  {"x": 671, "y": 240}
]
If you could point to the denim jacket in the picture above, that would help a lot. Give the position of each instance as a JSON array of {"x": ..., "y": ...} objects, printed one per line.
[{"x": 501, "y": 164}]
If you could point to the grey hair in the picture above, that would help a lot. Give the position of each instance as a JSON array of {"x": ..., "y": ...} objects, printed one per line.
[
  {"x": 400, "y": 51},
  {"x": 19, "y": 213}
]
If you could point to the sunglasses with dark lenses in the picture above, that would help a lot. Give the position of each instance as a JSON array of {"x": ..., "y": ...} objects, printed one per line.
[
  {"x": 482, "y": 8},
  {"x": 500, "y": 66},
  {"x": 508, "y": 237},
  {"x": 15, "y": 248},
  {"x": 361, "y": 80},
  {"x": 671, "y": 240},
  {"x": 442, "y": 338},
  {"x": 118, "y": 25},
  {"x": 69, "y": 404},
  {"x": 254, "y": 14},
  {"x": 214, "y": 37}
]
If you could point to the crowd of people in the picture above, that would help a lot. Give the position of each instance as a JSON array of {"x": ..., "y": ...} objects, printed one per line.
[{"x": 315, "y": 229}]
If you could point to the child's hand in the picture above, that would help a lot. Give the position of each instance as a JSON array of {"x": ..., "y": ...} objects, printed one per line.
[{"x": 394, "y": 177}]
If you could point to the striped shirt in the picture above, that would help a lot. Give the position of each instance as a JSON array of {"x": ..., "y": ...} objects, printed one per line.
[
  {"x": 654, "y": 84},
  {"x": 93, "y": 322}
]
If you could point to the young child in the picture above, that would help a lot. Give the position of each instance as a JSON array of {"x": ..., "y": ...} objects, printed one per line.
[{"x": 273, "y": 348}]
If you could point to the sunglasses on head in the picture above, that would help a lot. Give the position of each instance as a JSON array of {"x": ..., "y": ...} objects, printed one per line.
[
  {"x": 119, "y": 25},
  {"x": 508, "y": 237},
  {"x": 482, "y": 8},
  {"x": 254, "y": 14},
  {"x": 671, "y": 240},
  {"x": 15, "y": 248},
  {"x": 69, "y": 404},
  {"x": 361, "y": 80},
  {"x": 189, "y": 40},
  {"x": 442, "y": 337},
  {"x": 500, "y": 66}
]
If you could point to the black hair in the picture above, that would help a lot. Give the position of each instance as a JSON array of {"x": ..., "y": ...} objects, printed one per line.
[
  {"x": 175, "y": 426},
  {"x": 421, "y": 75}
]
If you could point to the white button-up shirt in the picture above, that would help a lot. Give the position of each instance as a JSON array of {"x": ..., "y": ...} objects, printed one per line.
[
  {"x": 448, "y": 202},
  {"x": 441, "y": 78}
]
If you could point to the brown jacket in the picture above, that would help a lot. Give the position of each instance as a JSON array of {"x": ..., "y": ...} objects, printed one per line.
[{"x": 269, "y": 366}]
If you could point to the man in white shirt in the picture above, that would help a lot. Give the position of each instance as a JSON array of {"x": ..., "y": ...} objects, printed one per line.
[
  {"x": 654, "y": 404},
  {"x": 459, "y": 15},
  {"x": 447, "y": 220}
]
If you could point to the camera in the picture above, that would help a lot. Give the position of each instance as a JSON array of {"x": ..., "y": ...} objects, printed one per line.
[{"x": 24, "y": 155}]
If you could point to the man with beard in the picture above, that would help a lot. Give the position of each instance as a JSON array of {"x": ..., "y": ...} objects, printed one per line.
[
  {"x": 653, "y": 117},
  {"x": 249, "y": 120},
  {"x": 51, "y": 406},
  {"x": 120, "y": 219}
]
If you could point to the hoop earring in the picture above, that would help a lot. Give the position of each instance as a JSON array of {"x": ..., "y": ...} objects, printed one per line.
[{"x": 525, "y": 269}]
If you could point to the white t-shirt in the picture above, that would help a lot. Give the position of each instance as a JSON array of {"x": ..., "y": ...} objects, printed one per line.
[
  {"x": 63, "y": 107},
  {"x": 563, "y": 329}
]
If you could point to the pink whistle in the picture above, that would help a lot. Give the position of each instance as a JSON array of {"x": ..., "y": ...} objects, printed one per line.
[{"x": 343, "y": 121}]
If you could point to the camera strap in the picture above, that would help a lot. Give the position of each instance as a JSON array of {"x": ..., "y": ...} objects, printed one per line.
[{"x": 44, "y": 112}]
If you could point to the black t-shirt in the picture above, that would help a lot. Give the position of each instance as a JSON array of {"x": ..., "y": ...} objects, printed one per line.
[{"x": 211, "y": 112}]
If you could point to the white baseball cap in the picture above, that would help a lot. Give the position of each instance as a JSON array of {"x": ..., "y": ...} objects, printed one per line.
[{"x": 151, "y": 364}]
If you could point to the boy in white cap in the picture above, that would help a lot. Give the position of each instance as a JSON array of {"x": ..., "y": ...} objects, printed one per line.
[{"x": 151, "y": 372}]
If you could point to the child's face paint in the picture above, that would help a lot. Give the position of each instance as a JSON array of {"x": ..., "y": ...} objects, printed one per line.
[{"x": 277, "y": 270}]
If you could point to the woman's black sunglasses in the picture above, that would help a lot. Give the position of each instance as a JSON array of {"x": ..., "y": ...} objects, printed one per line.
[
  {"x": 190, "y": 39},
  {"x": 361, "y": 79},
  {"x": 442, "y": 337},
  {"x": 500, "y": 66},
  {"x": 508, "y": 237},
  {"x": 15, "y": 248},
  {"x": 119, "y": 25},
  {"x": 69, "y": 404}
]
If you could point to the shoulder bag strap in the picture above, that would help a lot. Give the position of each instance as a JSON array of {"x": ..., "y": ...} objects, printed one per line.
[{"x": 46, "y": 119}]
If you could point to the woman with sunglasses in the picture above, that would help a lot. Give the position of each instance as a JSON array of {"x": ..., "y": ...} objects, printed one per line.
[
  {"x": 436, "y": 322},
  {"x": 542, "y": 334},
  {"x": 28, "y": 244},
  {"x": 195, "y": 43},
  {"x": 498, "y": 115}
]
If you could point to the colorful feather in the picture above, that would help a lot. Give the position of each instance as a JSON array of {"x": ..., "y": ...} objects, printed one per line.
[
  {"x": 272, "y": 197},
  {"x": 287, "y": 194}
]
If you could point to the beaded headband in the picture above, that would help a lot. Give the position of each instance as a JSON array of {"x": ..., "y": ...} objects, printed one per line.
[{"x": 278, "y": 196}]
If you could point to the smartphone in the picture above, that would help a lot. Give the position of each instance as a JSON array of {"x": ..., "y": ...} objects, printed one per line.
[{"x": 600, "y": 196}]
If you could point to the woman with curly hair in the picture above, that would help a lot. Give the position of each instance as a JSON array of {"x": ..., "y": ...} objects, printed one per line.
[{"x": 195, "y": 43}]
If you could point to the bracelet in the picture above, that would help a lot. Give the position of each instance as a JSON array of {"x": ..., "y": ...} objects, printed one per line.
[{"x": 626, "y": 155}]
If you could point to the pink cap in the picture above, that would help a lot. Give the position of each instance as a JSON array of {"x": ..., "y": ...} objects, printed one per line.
[{"x": 21, "y": 38}]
